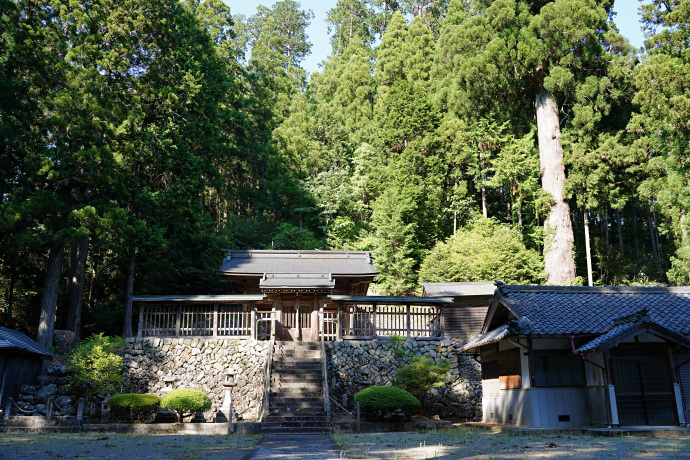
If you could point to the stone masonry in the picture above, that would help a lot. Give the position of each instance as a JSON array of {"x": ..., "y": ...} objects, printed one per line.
[
  {"x": 459, "y": 398},
  {"x": 200, "y": 363}
]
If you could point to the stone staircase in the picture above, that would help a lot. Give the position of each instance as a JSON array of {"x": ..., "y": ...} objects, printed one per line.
[{"x": 296, "y": 391}]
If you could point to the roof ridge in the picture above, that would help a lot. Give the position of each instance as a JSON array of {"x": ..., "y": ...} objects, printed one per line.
[{"x": 596, "y": 289}]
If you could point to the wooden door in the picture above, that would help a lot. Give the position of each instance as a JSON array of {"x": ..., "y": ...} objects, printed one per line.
[
  {"x": 644, "y": 392},
  {"x": 297, "y": 322}
]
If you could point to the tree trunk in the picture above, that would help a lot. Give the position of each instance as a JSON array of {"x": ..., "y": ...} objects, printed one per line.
[
  {"x": 129, "y": 293},
  {"x": 619, "y": 224},
  {"x": 634, "y": 229},
  {"x": 10, "y": 295},
  {"x": 558, "y": 254},
  {"x": 76, "y": 287},
  {"x": 46, "y": 322},
  {"x": 588, "y": 249},
  {"x": 652, "y": 239}
]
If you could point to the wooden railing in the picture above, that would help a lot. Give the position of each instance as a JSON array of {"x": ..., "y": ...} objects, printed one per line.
[
  {"x": 210, "y": 320},
  {"x": 364, "y": 321}
]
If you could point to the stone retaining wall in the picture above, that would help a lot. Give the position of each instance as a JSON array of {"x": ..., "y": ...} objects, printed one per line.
[
  {"x": 460, "y": 397},
  {"x": 202, "y": 364}
]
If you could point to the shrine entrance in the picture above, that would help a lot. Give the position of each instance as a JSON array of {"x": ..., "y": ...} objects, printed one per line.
[{"x": 297, "y": 325}]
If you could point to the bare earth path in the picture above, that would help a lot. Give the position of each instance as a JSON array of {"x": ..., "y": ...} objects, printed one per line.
[
  {"x": 123, "y": 446},
  {"x": 296, "y": 446},
  {"x": 482, "y": 444}
]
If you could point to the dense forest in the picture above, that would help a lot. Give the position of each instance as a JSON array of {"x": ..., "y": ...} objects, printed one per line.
[{"x": 461, "y": 140}]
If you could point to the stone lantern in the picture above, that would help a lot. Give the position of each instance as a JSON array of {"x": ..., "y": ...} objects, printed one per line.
[
  {"x": 226, "y": 411},
  {"x": 167, "y": 416},
  {"x": 169, "y": 381}
]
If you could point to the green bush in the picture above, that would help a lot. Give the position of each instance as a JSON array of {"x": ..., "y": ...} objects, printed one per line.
[
  {"x": 380, "y": 402},
  {"x": 185, "y": 402},
  {"x": 133, "y": 406},
  {"x": 421, "y": 374},
  {"x": 96, "y": 365}
]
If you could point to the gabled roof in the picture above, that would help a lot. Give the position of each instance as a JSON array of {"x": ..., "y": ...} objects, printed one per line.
[
  {"x": 558, "y": 310},
  {"x": 332, "y": 263},
  {"x": 459, "y": 289},
  {"x": 607, "y": 312},
  {"x": 15, "y": 340}
]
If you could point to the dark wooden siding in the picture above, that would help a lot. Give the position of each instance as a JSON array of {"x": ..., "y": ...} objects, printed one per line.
[
  {"x": 684, "y": 373},
  {"x": 463, "y": 320},
  {"x": 17, "y": 369}
]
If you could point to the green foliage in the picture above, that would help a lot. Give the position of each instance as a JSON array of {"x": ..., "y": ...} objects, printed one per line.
[
  {"x": 397, "y": 342},
  {"x": 134, "y": 406},
  {"x": 96, "y": 365},
  {"x": 485, "y": 250},
  {"x": 379, "y": 402},
  {"x": 420, "y": 375},
  {"x": 186, "y": 402}
]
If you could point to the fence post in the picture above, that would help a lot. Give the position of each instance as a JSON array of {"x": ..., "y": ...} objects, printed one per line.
[
  {"x": 358, "y": 415},
  {"x": 140, "y": 332},
  {"x": 215, "y": 319},
  {"x": 252, "y": 321},
  {"x": 373, "y": 320},
  {"x": 178, "y": 319},
  {"x": 8, "y": 408},
  {"x": 339, "y": 324},
  {"x": 80, "y": 409},
  {"x": 49, "y": 407},
  {"x": 408, "y": 319}
]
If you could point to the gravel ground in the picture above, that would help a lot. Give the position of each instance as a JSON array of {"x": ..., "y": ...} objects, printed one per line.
[
  {"x": 483, "y": 444},
  {"x": 123, "y": 446}
]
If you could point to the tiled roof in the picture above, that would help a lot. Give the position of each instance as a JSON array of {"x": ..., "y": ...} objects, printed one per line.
[
  {"x": 473, "y": 288},
  {"x": 15, "y": 340},
  {"x": 556, "y": 310},
  {"x": 304, "y": 281},
  {"x": 614, "y": 332},
  {"x": 258, "y": 263},
  {"x": 497, "y": 334}
]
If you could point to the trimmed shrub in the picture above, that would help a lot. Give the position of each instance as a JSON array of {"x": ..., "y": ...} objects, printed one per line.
[
  {"x": 381, "y": 402},
  {"x": 95, "y": 365},
  {"x": 133, "y": 406},
  {"x": 420, "y": 375},
  {"x": 186, "y": 402}
]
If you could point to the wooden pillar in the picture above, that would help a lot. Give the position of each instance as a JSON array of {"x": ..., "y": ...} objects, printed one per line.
[
  {"x": 273, "y": 320},
  {"x": 141, "y": 320},
  {"x": 279, "y": 319},
  {"x": 373, "y": 320},
  {"x": 442, "y": 321},
  {"x": 408, "y": 319},
  {"x": 315, "y": 319},
  {"x": 339, "y": 325},
  {"x": 178, "y": 319},
  {"x": 215, "y": 319},
  {"x": 252, "y": 321},
  {"x": 351, "y": 322}
]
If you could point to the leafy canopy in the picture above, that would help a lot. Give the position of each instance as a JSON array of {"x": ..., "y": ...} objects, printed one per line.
[{"x": 484, "y": 250}]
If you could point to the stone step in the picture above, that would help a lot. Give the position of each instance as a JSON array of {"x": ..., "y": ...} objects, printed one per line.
[
  {"x": 299, "y": 353},
  {"x": 308, "y": 379},
  {"x": 297, "y": 416},
  {"x": 276, "y": 402},
  {"x": 308, "y": 362},
  {"x": 296, "y": 430},
  {"x": 292, "y": 424},
  {"x": 301, "y": 345},
  {"x": 311, "y": 411},
  {"x": 308, "y": 386}
]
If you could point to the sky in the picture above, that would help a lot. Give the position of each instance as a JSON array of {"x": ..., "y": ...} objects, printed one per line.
[{"x": 627, "y": 20}]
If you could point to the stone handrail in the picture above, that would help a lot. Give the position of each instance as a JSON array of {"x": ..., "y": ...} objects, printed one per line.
[
  {"x": 324, "y": 367},
  {"x": 263, "y": 411}
]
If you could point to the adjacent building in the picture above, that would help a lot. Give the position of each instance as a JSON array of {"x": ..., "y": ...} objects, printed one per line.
[{"x": 577, "y": 356}]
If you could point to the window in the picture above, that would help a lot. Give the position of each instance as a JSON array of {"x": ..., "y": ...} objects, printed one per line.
[
  {"x": 558, "y": 371},
  {"x": 490, "y": 370}
]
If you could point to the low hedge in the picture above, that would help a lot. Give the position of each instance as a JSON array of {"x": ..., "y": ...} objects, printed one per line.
[
  {"x": 134, "y": 406},
  {"x": 186, "y": 401},
  {"x": 381, "y": 402}
]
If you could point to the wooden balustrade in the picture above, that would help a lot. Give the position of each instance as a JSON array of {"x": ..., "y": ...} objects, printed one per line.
[
  {"x": 204, "y": 320},
  {"x": 230, "y": 320}
]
